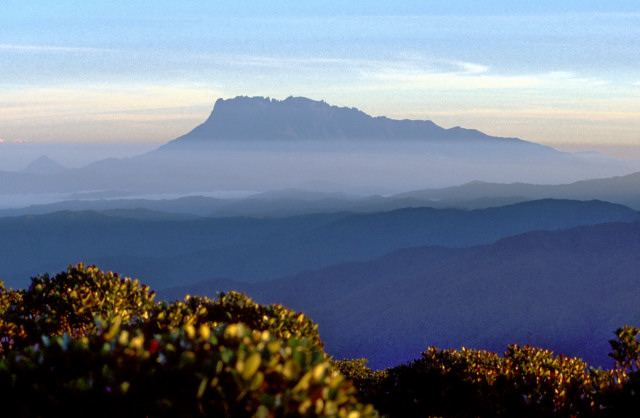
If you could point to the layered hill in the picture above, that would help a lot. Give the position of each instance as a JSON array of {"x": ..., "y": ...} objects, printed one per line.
[
  {"x": 157, "y": 247},
  {"x": 566, "y": 290},
  {"x": 619, "y": 189}
]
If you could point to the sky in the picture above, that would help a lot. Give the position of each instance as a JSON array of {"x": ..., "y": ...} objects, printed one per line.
[{"x": 560, "y": 73}]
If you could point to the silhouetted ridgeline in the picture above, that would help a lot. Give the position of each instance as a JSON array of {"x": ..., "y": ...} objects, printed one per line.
[
  {"x": 260, "y": 144},
  {"x": 302, "y": 119},
  {"x": 563, "y": 290},
  {"x": 155, "y": 246}
]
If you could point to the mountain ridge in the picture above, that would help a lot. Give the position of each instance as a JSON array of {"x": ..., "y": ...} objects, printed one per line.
[
  {"x": 618, "y": 189},
  {"x": 262, "y": 144},
  {"x": 155, "y": 247},
  {"x": 566, "y": 290},
  {"x": 299, "y": 118}
]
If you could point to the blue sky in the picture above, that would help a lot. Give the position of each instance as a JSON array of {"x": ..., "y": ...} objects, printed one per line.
[{"x": 565, "y": 74}]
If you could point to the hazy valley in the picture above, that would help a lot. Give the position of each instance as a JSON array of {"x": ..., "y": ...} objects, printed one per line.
[{"x": 392, "y": 235}]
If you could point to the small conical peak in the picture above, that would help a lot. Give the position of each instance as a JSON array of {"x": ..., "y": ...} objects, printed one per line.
[{"x": 44, "y": 165}]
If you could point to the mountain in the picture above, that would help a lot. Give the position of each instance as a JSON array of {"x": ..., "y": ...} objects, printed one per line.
[
  {"x": 157, "y": 247},
  {"x": 279, "y": 203},
  {"x": 618, "y": 189},
  {"x": 44, "y": 165},
  {"x": 259, "y": 144},
  {"x": 566, "y": 290},
  {"x": 302, "y": 119},
  {"x": 194, "y": 205}
]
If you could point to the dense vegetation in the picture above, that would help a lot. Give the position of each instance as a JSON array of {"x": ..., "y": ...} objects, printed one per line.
[{"x": 89, "y": 343}]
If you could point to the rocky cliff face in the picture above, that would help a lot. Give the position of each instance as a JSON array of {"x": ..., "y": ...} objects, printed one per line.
[{"x": 299, "y": 118}]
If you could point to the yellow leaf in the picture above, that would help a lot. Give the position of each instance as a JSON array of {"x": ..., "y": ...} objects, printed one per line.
[
  {"x": 251, "y": 365},
  {"x": 190, "y": 330}
]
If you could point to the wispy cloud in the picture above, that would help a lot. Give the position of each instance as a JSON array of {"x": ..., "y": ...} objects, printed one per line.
[
  {"x": 412, "y": 71},
  {"x": 550, "y": 113},
  {"x": 469, "y": 76},
  {"x": 403, "y": 62},
  {"x": 289, "y": 63},
  {"x": 49, "y": 48},
  {"x": 15, "y": 141},
  {"x": 107, "y": 102}
]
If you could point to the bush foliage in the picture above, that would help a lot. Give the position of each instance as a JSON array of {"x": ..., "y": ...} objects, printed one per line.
[
  {"x": 89, "y": 343},
  {"x": 523, "y": 382}
]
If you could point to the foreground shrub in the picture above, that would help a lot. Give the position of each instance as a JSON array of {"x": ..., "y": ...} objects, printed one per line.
[
  {"x": 524, "y": 382},
  {"x": 70, "y": 303},
  {"x": 228, "y": 370},
  {"x": 235, "y": 307},
  {"x": 625, "y": 402},
  {"x": 368, "y": 382},
  {"x": 87, "y": 343}
]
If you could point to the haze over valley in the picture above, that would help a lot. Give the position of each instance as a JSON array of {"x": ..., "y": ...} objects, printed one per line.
[
  {"x": 252, "y": 145},
  {"x": 333, "y": 212},
  {"x": 401, "y": 175}
]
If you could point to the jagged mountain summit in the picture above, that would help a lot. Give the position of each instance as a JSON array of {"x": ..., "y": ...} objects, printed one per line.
[
  {"x": 259, "y": 144},
  {"x": 263, "y": 144},
  {"x": 298, "y": 118}
]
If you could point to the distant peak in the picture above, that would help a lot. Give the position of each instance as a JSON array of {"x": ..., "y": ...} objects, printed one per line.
[
  {"x": 295, "y": 118},
  {"x": 44, "y": 165},
  {"x": 268, "y": 101},
  {"x": 245, "y": 119}
]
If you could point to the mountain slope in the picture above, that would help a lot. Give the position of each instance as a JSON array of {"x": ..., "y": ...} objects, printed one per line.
[
  {"x": 618, "y": 189},
  {"x": 157, "y": 248},
  {"x": 299, "y": 118},
  {"x": 44, "y": 165},
  {"x": 258, "y": 144},
  {"x": 565, "y": 290}
]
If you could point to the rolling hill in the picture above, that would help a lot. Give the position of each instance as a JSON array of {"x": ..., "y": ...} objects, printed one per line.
[
  {"x": 158, "y": 248},
  {"x": 566, "y": 290}
]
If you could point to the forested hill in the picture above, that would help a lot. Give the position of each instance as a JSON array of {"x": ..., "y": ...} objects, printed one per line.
[
  {"x": 156, "y": 247},
  {"x": 564, "y": 290}
]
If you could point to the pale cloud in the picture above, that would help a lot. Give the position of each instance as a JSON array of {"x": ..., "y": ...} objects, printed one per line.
[
  {"x": 408, "y": 71},
  {"x": 49, "y": 48},
  {"x": 104, "y": 112},
  {"x": 449, "y": 92},
  {"x": 537, "y": 114},
  {"x": 471, "y": 76},
  {"x": 453, "y": 81},
  {"x": 414, "y": 71},
  {"x": 404, "y": 70},
  {"x": 472, "y": 68},
  {"x": 404, "y": 62},
  {"x": 289, "y": 62},
  {"x": 104, "y": 102}
]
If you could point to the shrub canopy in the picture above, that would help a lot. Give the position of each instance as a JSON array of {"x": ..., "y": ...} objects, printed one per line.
[{"x": 87, "y": 342}]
